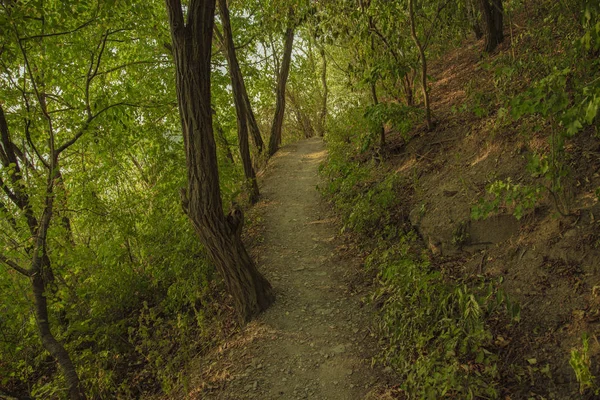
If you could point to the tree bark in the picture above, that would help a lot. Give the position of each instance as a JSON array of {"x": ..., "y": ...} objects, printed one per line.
[
  {"x": 275, "y": 139},
  {"x": 413, "y": 32},
  {"x": 251, "y": 292},
  {"x": 237, "y": 83},
  {"x": 493, "y": 14}
]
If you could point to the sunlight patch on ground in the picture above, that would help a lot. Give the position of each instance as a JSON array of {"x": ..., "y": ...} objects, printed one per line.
[
  {"x": 318, "y": 154},
  {"x": 484, "y": 154},
  {"x": 407, "y": 164}
]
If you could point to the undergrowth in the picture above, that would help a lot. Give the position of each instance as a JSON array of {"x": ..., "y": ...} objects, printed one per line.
[
  {"x": 552, "y": 87},
  {"x": 435, "y": 328}
]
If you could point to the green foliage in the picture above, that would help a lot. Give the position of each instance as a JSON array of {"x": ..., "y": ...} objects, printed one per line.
[
  {"x": 439, "y": 341},
  {"x": 581, "y": 364},
  {"x": 560, "y": 96},
  {"x": 398, "y": 117},
  {"x": 132, "y": 289},
  {"x": 436, "y": 332},
  {"x": 516, "y": 197}
]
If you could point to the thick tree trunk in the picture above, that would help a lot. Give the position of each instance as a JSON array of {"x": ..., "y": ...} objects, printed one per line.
[
  {"x": 251, "y": 292},
  {"x": 237, "y": 83},
  {"x": 323, "y": 114},
  {"x": 413, "y": 32},
  {"x": 275, "y": 139},
  {"x": 493, "y": 14}
]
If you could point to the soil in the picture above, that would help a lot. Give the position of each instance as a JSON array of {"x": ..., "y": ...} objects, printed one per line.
[
  {"x": 546, "y": 262},
  {"x": 316, "y": 341}
]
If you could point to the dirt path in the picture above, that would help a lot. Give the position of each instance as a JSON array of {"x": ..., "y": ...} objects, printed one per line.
[{"x": 315, "y": 342}]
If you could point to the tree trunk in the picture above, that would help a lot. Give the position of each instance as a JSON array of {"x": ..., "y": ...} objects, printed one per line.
[
  {"x": 474, "y": 19},
  {"x": 381, "y": 128},
  {"x": 374, "y": 95},
  {"x": 222, "y": 140},
  {"x": 303, "y": 119},
  {"x": 492, "y": 15},
  {"x": 323, "y": 114},
  {"x": 407, "y": 84},
  {"x": 56, "y": 350},
  {"x": 413, "y": 32},
  {"x": 237, "y": 83},
  {"x": 252, "y": 124},
  {"x": 251, "y": 292},
  {"x": 275, "y": 139}
]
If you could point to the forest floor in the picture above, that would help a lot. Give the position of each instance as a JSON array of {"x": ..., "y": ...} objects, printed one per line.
[{"x": 316, "y": 341}]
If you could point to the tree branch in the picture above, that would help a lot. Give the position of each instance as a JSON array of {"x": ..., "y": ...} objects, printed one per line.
[
  {"x": 13, "y": 197},
  {"x": 86, "y": 125},
  {"x": 108, "y": 71},
  {"x": 45, "y": 35},
  {"x": 15, "y": 266}
]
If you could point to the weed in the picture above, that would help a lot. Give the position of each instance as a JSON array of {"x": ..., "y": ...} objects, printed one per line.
[
  {"x": 580, "y": 362},
  {"x": 520, "y": 198}
]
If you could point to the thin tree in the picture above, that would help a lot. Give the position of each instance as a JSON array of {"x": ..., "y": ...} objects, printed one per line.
[
  {"x": 323, "y": 112},
  {"x": 35, "y": 262},
  {"x": 275, "y": 139},
  {"x": 493, "y": 13},
  {"x": 425, "y": 91},
  {"x": 191, "y": 38},
  {"x": 252, "y": 124},
  {"x": 39, "y": 269},
  {"x": 373, "y": 85},
  {"x": 237, "y": 84}
]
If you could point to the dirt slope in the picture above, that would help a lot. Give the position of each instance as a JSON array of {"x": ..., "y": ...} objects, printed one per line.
[
  {"x": 548, "y": 263},
  {"x": 315, "y": 341}
]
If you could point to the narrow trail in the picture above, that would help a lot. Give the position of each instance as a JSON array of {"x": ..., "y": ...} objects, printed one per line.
[{"x": 315, "y": 342}]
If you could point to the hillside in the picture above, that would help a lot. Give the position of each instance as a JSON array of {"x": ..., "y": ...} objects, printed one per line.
[{"x": 468, "y": 198}]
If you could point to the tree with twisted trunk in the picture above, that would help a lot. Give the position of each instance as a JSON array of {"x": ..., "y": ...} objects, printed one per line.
[{"x": 191, "y": 37}]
